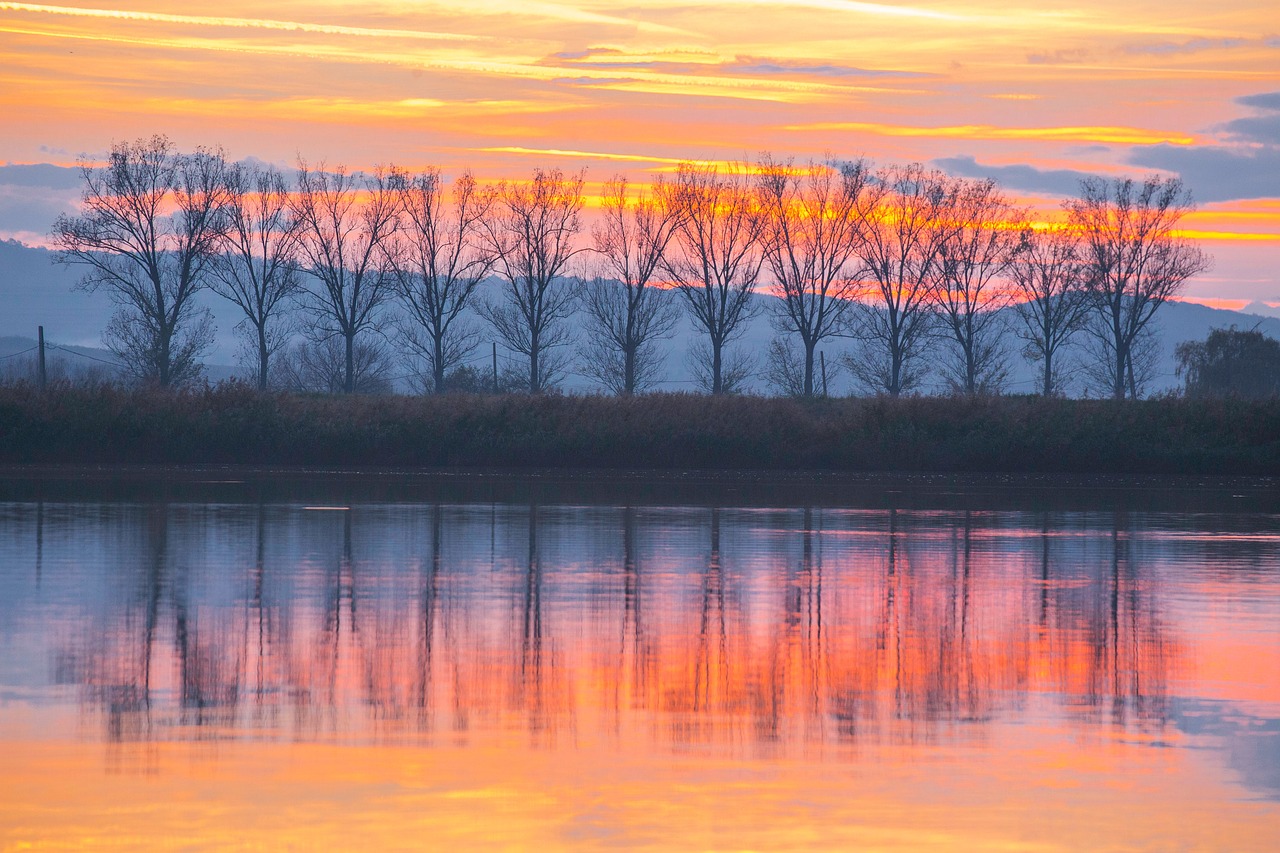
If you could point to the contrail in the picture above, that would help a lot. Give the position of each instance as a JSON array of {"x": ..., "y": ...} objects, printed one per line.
[{"x": 242, "y": 23}]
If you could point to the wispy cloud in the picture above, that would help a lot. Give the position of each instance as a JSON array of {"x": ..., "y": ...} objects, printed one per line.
[
  {"x": 233, "y": 22},
  {"x": 1167, "y": 48},
  {"x": 581, "y": 155},
  {"x": 766, "y": 65},
  {"x": 1121, "y": 135},
  {"x": 1062, "y": 56},
  {"x": 706, "y": 63}
]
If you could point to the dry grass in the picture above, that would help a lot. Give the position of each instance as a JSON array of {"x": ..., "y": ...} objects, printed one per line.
[{"x": 234, "y": 424}]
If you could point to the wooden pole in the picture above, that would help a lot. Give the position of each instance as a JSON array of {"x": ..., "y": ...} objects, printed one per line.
[
  {"x": 42, "y": 377},
  {"x": 495, "y": 367},
  {"x": 822, "y": 358}
]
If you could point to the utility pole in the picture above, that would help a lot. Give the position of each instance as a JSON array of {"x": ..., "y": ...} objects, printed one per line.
[
  {"x": 495, "y": 367},
  {"x": 822, "y": 358},
  {"x": 42, "y": 377}
]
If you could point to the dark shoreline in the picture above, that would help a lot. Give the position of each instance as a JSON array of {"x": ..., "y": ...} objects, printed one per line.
[
  {"x": 667, "y": 435},
  {"x": 370, "y": 485}
]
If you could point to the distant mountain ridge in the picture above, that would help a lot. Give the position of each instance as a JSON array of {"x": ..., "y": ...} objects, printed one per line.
[{"x": 34, "y": 292}]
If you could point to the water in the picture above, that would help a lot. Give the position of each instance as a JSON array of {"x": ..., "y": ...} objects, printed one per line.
[{"x": 915, "y": 666}]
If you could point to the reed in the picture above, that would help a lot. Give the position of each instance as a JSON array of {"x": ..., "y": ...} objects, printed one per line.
[{"x": 234, "y": 424}]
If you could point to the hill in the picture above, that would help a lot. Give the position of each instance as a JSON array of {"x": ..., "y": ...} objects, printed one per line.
[{"x": 38, "y": 292}]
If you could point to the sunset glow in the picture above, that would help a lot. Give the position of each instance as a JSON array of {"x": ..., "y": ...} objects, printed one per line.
[{"x": 1033, "y": 97}]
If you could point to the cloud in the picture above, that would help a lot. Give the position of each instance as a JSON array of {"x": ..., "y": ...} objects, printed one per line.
[
  {"x": 1264, "y": 129},
  {"x": 1064, "y": 182},
  {"x": 27, "y": 210},
  {"x": 1167, "y": 48},
  {"x": 685, "y": 62},
  {"x": 766, "y": 65},
  {"x": 40, "y": 175},
  {"x": 1069, "y": 56},
  {"x": 1220, "y": 173},
  {"x": 232, "y": 22},
  {"x": 586, "y": 54},
  {"x": 1227, "y": 173},
  {"x": 1264, "y": 101},
  {"x": 1215, "y": 173},
  {"x": 1114, "y": 135}
]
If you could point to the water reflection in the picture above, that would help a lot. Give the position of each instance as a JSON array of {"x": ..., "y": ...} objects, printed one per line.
[
  {"x": 543, "y": 675},
  {"x": 739, "y": 631}
]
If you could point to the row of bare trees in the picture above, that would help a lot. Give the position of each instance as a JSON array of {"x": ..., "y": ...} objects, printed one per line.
[{"x": 897, "y": 259}]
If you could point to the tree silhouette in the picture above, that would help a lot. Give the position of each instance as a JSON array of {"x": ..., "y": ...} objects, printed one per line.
[
  {"x": 1231, "y": 362},
  {"x": 151, "y": 222},
  {"x": 346, "y": 225},
  {"x": 531, "y": 228},
  {"x": 626, "y": 315},
  {"x": 1136, "y": 262},
  {"x": 715, "y": 259}
]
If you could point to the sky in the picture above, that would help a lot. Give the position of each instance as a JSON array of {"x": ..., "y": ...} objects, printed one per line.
[{"x": 1035, "y": 96}]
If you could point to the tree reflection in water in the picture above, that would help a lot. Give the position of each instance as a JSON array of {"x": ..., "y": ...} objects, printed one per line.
[{"x": 735, "y": 631}]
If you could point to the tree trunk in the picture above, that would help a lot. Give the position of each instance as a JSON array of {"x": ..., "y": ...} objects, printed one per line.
[
  {"x": 437, "y": 366},
  {"x": 717, "y": 381},
  {"x": 629, "y": 371},
  {"x": 808, "y": 367},
  {"x": 262, "y": 358},
  {"x": 1118, "y": 371},
  {"x": 1122, "y": 359},
  {"x": 349, "y": 385},
  {"x": 534, "y": 385},
  {"x": 163, "y": 377},
  {"x": 895, "y": 372}
]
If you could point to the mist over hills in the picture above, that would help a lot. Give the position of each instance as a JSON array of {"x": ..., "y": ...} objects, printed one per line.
[{"x": 37, "y": 292}]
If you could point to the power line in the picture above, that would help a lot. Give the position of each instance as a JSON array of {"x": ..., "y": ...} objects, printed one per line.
[
  {"x": 82, "y": 355},
  {"x": 23, "y": 352}
]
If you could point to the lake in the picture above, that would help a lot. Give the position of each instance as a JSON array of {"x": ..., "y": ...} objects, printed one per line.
[{"x": 390, "y": 661}]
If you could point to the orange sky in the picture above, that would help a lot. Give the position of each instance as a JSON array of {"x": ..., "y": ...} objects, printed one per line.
[{"x": 1032, "y": 95}]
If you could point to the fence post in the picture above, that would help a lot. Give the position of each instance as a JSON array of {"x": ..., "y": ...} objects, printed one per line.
[{"x": 42, "y": 377}]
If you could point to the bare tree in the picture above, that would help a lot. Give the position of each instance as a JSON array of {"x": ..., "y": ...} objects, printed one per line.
[
  {"x": 810, "y": 237},
  {"x": 346, "y": 226},
  {"x": 1136, "y": 262},
  {"x": 150, "y": 226},
  {"x": 321, "y": 366},
  {"x": 715, "y": 259},
  {"x": 626, "y": 314},
  {"x": 969, "y": 289},
  {"x": 257, "y": 266},
  {"x": 904, "y": 221},
  {"x": 531, "y": 227},
  {"x": 1050, "y": 299},
  {"x": 736, "y": 369},
  {"x": 784, "y": 370},
  {"x": 1098, "y": 357},
  {"x": 445, "y": 257}
]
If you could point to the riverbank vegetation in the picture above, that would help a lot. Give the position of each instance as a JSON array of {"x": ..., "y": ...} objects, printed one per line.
[{"x": 235, "y": 424}]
